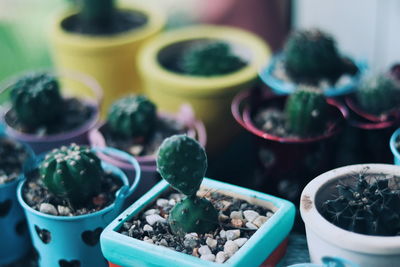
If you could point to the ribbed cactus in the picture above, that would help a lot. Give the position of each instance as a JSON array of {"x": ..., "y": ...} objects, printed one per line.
[
  {"x": 379, "y": 94},
  {"x": 182, "y": 162},
  {"x": 210, "y": 59},
  {"x": 305, "y": 112},
  {"x": 73, "y": 173},
  {"x": 370, "y": 208},
  {"x": 132, "y": 116},
  {"x": 96, "y": 15},
  {"x": 36, "y": 99},
  {"x": 310, "y": 56}
]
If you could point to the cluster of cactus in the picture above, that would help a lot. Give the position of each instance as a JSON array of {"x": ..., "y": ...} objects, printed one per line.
[
  {"x": 96, "y": 15},
  {"x": 370, "y": 208},
  {"x": 379, "y": 94},
  {"x": 306, "y": 112},
  {"x": 210, "y": 59},
  {"x": 312, "y": 55},
  {"x": 182, "y": 162},
  {"x": 132, "y": 116},
  {"x": 36, "y": 99},
  {"x": 72, "y": 173}
]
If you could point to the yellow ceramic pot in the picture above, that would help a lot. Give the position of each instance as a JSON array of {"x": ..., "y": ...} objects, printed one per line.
[
  {"x": 109, "y": 59},
  {"x": 210, "y": 97}
]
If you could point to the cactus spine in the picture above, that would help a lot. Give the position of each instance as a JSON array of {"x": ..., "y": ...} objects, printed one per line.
[{"x": 182, "y": 162}]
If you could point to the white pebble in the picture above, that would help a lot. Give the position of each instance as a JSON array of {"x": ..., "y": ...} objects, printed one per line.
[
  {"x": 48, "y": 209},
  {"x": 221, "y": 257},
  {"x": 240, "y": 241},
  {"x": 208, "y": 257},
  {"x": 191, "y": 235},
  {"x": 147, "y": 228},
  {"x": 222, "y": 234},
  {"x": 152, "y": 219},
  {"x": 269, "y": 214},
  {"x": 260, "y": 220},
  {"x": 64, "y": 211},
  {"x": 151, "y": 212},
  {"x": 212, "y": 243},
  {"x": 172, "y": 202},
  {"x": 148, "y": 240},
  {"x": 236, "y": 215},
  {"x": 164, "y": 243},
  {"x": 250, "y": 215},
  {"x": 230, "y": 248},
  {"x": 232, "y": 234},
  {"x": 162, "y": 202},
  {"x": 204, "y": 250},
  {"x": 251, "y": 226}
]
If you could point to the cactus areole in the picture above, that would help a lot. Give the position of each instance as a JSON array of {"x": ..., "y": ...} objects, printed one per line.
[{"x": 182, "y": 162}]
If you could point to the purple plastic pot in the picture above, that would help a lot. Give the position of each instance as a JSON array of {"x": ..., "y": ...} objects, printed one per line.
[
  {"x": 147, "y": 163},
  {"x": 287, "y": 164},
  {"x": 78, "y": 135}
]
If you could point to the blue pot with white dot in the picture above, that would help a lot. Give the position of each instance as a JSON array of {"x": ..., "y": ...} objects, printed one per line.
[{"x": 73, "y": 241}]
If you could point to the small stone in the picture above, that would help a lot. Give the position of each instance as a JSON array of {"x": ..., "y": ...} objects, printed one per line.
[
  {"x": 132, "y": 230},
  {"x": 221, "y": 257},
  {"x": 226, "y": 204},
  {"x": 189, "y": 235},
  {"x": 230, "y": 248},
  {"x": 236, "y": 215},
  {"x": 136, "y": 149},
  {"x": 147, "y": 228},
  {"x": 204, "y": 250},
  {"x": 176, "y": 197},
  {"x": 162, "y": 202},
  {"x": 240, "y": 241},
  {"x": 222, "y": 234},
  {"x": 148, "y": 240},
  {"x": 172, "y": 202},
  {"x": 48, "y": 209},
  {"x": 250, "y": 215},
  {"x": 64, "y": 211},
  {"x": 222, "y": 217},
  {"x": 260, "y": 220},
  {"x": 127, "y": 225},
  {"x": 212, "y": 243},
  {"x": 269, "y": 214},
  {"x": 251, "y": 226},
  {"x": 152, "y": 219},
  {"x": 164, "y": 243},
  {"x": 208, "y": 257},
  {"x": 237, "y": 223},
  {"x": 191, "y": 241},
  {"x": 232, "y": 234},
  {"x": 99, "y": 200},
  {"x": 151, "y": 212},
  {"x": 195, "y": 252}
]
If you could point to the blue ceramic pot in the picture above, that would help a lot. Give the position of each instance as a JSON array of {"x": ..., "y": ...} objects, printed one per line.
[
  {"x": 74, "y": 241},
  {"x": 393, "y": 148}
]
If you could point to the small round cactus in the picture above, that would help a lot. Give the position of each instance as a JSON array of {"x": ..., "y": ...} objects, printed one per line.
[
  {"x": 73, "y": 173},
  {"x": 310, "y": 56},
  {"x": 210, "y": 59},
  {"x": 379, "y": 94},
  {"x": 305, "y": 112},
  {"x": 36, "y": 99},
  {"x": 132, "y": 116}
]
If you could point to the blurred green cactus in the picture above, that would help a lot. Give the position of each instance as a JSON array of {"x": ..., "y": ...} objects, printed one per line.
[{"x": 96, "y": 15}]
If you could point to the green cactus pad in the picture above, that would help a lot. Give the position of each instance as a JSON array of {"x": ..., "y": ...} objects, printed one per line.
[
  {"x": 305, "y": 112},
  {"x": 182, "y": 162},
  {"x": 73, "y": 173},
  {"x": 193, "y": 215},
  {"x": 132, "y": 116},
  {"x": 210, "y": 59},
  {"x": 36, "y": 99}
]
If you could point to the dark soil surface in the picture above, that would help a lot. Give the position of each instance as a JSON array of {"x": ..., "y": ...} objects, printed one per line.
[{"x": 12, "y": 157}]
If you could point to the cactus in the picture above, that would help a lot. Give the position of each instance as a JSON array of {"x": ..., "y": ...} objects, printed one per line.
[
  {"x": 96, "y": 15},
  {"x": 210, "y": 59},
  {"x": 305, "y": 112},
  {"x": 36, "y": 99},
  {"x": 132, "y": 116},
  {"x": 182, "y": 162},
  {"x": 379, "y": 94},
  {"x": 73, "y": 173},
  {"x": 370, "y": 208},
  {"x": 311, "y": 56}
]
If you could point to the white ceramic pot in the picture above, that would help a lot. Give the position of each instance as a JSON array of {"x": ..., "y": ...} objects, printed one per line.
[{"x": 326, "y": 239}]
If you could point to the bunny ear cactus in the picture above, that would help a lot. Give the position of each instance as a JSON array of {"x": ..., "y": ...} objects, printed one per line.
[
  {"x": 96, "y": 15},
  {"x": 182, "y": 162},
  {"x": 210, "y": 59},
  {"x": 305, "y": 112},
  {"x": 379, "y": 94},
  {"x": 73, "y": 173},
  {"x": 310, "y": 56},
  {"x": 36, "y": 99},
  {"x": 132, "y": 116}
]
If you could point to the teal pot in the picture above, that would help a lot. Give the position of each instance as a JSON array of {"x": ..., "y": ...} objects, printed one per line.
[
  {"x": 14, "y": 242},
  {"x": 393, "y": 147},
  {"x": 282, "y": 87},
  {"x": 122, "y": 250},
  {"x": 74, "y": 241}
]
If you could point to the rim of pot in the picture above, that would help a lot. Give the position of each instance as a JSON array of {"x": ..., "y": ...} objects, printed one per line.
[
  {"x": 392, "y": 143},
  {"x": 333, "y": 234},
  {"x": 190, "y": 84}
]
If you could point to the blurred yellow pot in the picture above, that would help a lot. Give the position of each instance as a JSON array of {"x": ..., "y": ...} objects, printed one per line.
[
  {"x": 109, "y": 59},
  {"x": 210, "y": 97}
]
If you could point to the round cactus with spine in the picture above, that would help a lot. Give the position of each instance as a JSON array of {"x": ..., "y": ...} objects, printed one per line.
[
  {"x": 73, "y": 173},
  {"x": 182, "y": 162},
  {"x": 310, "y": 56},
  {"x": 36, "y": 99},
  {"x": 210, "y": 59},
  {"x": 379, "y": 94},
  {"x": 132, "y": 116},
  {"x": 305, "y": 112}
]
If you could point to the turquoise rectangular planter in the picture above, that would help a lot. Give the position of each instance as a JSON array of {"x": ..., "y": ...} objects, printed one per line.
[{"x": 126, "y": 251}]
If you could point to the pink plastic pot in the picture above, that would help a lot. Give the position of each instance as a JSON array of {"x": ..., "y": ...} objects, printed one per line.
[
  {"x": 147, "y": 163},
  {"x": 287, "y": 164}
]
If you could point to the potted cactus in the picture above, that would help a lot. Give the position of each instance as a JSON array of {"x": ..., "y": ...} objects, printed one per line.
[
  {"x": 68, "y": 197},
  {"x": 134, "y": 126},
  {"x": 353, "y": 212},
  {"x": 42, "y": 117},
  {"x": 312, "y": 57},
  {"x": 204, "y": 66},
  {"x": 15, "y": 242},
  {"x": 102, "y": 40},
  {"x": 188, "y": 220},
  {"x": 295, "y": 136}
]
